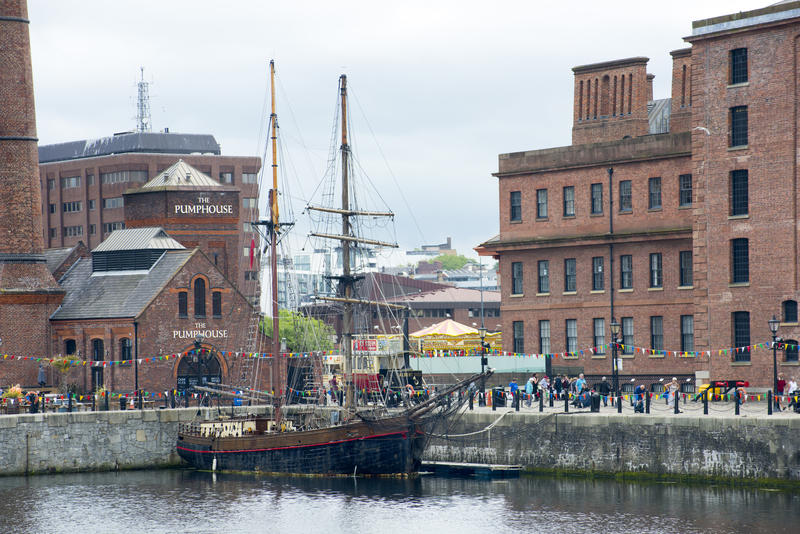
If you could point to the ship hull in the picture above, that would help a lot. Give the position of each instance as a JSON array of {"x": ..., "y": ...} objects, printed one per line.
[{"x": 388, "y": 447}]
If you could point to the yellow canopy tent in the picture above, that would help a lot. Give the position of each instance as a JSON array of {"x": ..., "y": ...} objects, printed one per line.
[{"x": 452, "y": 335}]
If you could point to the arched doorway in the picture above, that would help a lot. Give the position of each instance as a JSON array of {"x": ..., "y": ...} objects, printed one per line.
[{"x": 199, "y": 367}]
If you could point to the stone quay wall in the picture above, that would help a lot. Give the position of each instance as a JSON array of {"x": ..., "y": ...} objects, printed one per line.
[
  {"x": 755, "y": 448},
  {"x": 724, "y": 447}
]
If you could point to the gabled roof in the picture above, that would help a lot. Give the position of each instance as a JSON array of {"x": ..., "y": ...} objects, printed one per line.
[
  {"x": 152, "y": 237},
  {"x": 56, "y": 256},
  {"x": 116, "y": 295},
  {"x": 180, "y": 174}
]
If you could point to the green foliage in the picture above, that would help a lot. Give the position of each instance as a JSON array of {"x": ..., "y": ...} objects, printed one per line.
[
  {"x": 450, "y": 262},
  {"x": 302, "y": 333}
]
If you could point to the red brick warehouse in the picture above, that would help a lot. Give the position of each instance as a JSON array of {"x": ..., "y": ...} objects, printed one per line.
[{"x": 677, "y": 217}]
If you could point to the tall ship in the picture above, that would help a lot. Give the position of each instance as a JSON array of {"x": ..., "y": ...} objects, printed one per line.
[{"x": 360, "y": 429}]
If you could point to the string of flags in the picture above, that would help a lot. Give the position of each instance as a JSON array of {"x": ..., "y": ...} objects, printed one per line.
[{"x": 601, "y": 349}]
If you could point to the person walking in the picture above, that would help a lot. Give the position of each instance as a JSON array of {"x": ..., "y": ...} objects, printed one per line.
[
  {"x": 42, "y": 378},
  {"x": 513, "y": 388},
  {"x": 672, "y": 392},
  {"x": 529, "y": 392},
  {"x": 604, "y": 389}
]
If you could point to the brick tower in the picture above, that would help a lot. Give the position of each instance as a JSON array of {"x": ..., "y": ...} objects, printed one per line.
[{"x": 28, "y": 292}]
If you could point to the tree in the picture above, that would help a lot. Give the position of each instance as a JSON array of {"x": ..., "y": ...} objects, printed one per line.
[
  {"x": 302, "y": 334},
  {"x": 450, "y": 262}
]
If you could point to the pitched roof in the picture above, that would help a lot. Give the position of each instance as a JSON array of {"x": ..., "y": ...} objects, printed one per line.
[
  {"x": 151, "y": 237},
  {"x": 130, "y": 142},
  {"x": 180, "y": 174},
  {"x": 114, "y": 295},
  {"x": 450, "y": 295},
  {"x": 56, "y": 256}
]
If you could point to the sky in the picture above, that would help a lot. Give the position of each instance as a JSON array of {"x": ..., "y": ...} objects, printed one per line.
[{"x": 438, "y": 88}]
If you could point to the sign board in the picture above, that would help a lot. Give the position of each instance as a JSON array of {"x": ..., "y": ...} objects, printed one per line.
[{"x": 365, "y": 345}]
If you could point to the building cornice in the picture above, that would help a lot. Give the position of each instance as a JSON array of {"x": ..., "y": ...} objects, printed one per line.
[{"x": 587, "y": 239}]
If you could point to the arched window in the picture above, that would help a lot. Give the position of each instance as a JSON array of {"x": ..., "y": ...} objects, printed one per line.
[
  {"x": 580, "y": 101},
  {"x": 216, "y": 303},
  {"x": 98, "y": 350},
  {"x": 614, "y": 98},
  {"x": 789, "y": 311},
  {"x": 70, "y": 347},
  {"x": 790, "y": 350},
  {"x": 125, "y": 349},
  {"x": 182, "y": 304},
  {"x": 199, "y": 298}
]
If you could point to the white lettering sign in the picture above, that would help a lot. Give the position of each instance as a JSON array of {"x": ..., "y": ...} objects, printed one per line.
[
  {"x": 207, "y": 333},
  {"x": 204, "y": 209}
]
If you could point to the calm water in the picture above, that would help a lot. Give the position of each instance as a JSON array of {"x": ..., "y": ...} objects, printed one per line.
[{"x": 177, "y": 501}]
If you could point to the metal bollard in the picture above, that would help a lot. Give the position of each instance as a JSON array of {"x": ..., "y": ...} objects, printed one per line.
[
  {"x": 105, "y": 401},
  {"x": 481, "y": 399},
  {"x": 139, "y": 398},
  {"x": 647, "y": 397},
  {"x": 517, "y": 395},
  {"x": 541, "y": 401},
  {"x": 69, "y": 402},
  {"x": 705, "y": 402},
  {"x": 619, "y": 404},
  {"x": 736, "y": 395},
  {"x": 566, "y": 402},
  {"x": 471, "y": 401},
  {"x": 675, "y": 404},
  {"x": 551, "y": 398},
  {"x": 494, "y": 401},
  {"x": 769, "y": 402}
]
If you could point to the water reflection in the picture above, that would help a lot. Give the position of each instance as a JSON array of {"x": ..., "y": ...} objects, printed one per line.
[{"x": 189, "y": 501}]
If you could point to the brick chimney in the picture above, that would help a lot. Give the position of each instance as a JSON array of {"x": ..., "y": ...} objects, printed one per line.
[
  {"x": 611, "y": 100},
  {"x": 28, "y": 292}
]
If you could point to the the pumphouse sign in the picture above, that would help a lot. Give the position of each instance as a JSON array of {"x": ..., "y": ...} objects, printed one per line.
[{"x": 203, "y": 206}]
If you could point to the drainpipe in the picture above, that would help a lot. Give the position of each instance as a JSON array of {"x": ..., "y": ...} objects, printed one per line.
[{"x": 611, "y": 236}]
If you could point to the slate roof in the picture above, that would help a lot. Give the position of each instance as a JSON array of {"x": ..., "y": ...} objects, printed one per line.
[
  {"x": 116, "y": 294},
  {"x": 180, "y": 174},
  {"x": 56, "y": 256},
  {"x": 130, "y": 142},
  {"x": 151, "y": 237},
  {"x": 450, "y": 295}
]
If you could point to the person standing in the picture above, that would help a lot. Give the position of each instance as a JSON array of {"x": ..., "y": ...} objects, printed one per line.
[
  {"x": 779, "y": 392},
  {"x": 529, "y": 392},
  {"x": 604, "y": 389},
  {"x": 580, "y": 384},
  {"x": 557, "y": 386},
  {"x": 639, "y": 394},
  {"x": 42, "y": 378},
  {"x": 672, "y": 392},
  {"x": 565, "y": 386},
  {"x": 513, "y": 388},
  {"x": 544, "y": 386}
]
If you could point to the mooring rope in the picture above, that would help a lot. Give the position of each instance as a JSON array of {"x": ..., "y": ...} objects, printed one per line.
[{"x": 489, "y": 427}]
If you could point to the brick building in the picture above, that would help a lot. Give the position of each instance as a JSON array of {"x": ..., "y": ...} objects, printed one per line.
[
  {"x": 140, "y": 292},
  {"x": 28, "y": 292},
  {"x": 676, "y": 217},
  {"x": 83, "y": 184}
]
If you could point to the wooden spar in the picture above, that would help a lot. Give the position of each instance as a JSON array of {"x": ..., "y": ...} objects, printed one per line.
[
  {"x": 351, "y": 212},
  {"x": 347, "y": 317},
  {"x": 273, "y": 245},
  {"x": 364, "y": 302},
  {"x": 228, "y": 394},
  {"x": 352, "y": 239}
]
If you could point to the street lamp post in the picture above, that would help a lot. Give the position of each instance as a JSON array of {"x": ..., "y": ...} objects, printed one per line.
[
  {"x": 774, "y": 323},
  {"x": 615, "y": 328},
  {"x": 484, "y": 362}
]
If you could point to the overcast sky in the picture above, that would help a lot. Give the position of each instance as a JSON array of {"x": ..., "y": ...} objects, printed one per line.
[{"x": 444, "y": 86}]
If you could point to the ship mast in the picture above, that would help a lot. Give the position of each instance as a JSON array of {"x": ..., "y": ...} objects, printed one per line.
[
  {"x": 273, "y": 235},
  {"x": 347, "y": 279}
]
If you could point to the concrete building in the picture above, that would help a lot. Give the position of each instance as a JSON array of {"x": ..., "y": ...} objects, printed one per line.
[
  {"x": 676, "y": 217},
  {"x": 83, "y": 184}
]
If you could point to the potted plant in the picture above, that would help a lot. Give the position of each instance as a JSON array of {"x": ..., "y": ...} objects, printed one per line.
[{"x": 11, "y": 399}]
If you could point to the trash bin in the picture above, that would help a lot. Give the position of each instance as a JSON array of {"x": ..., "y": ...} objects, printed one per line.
[
  {"x": 595, "y": 402},
  {"x": 499, "y": 397}
]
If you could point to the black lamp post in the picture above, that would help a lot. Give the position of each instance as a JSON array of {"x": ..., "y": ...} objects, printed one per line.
[
  {"x": 615, "y": 328},
  {"x": 484, "y": 360},
  {"x": 198, "y": 358},
  {"x": 774, "y": 323}
]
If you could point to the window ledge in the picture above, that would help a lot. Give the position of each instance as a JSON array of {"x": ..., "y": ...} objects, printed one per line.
[
  {"x": 685, "y": 207},
  {"x": 597, "y": 291},
  {"x": 735, "y": 85},
  {"x": 625, "y": 290},
  {"x": 595, "y": 215},
  {"x": 682, "y": 288},
  {"x": 568, "y": 216},
  {"x": 740, "y": 147},
  {"x": 570, "y": 357},
  {"x": 650, "y": 210},
  {"x": 789, "y": 364},
  {"x": 543, "y": 294},
  {"x": 741, "y": 364},
  {"x": 626, "y": 212},
  {"x": 517, "y": 295},
  {"x": 655, "y": 289},
  {"x": 598, "y": 356},
  {"x": 542, "y": 219},
  {"x": 789, "y": 324},
  {"x": 739, "y": 284},
  {"x": 515, "y": 222},
  {"x": 734, "y": 217},
  {"x": 627, "y": 356},
  {"x": 657, "y": 356},
  {"x": 569, "y": 293}
]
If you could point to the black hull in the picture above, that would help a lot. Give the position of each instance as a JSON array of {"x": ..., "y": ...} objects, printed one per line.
[{"x": 391, "y": 453}]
